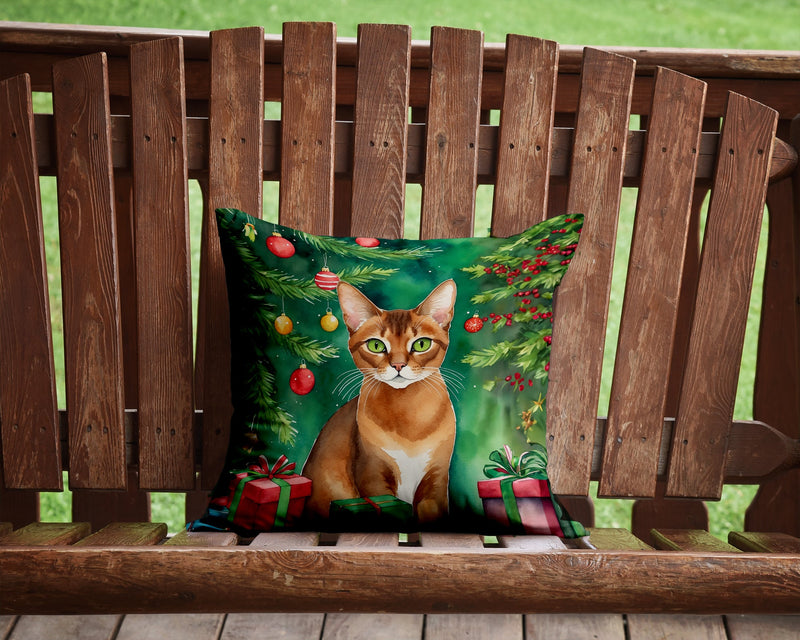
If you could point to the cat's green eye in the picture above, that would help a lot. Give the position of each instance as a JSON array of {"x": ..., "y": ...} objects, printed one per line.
[
  {"x": 375, "y": 346},
  {"x": 421, "y": 345}
]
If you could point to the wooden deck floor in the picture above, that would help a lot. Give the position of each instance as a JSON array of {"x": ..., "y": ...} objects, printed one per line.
[{"x": 399, "y": 627}]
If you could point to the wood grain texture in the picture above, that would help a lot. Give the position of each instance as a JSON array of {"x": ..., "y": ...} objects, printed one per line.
[
  {"x": 526, "y": 123},
  {"x": 599, "y": 626},
  {"x": 199, "y": 626},
  {"x": 307, "y": 117},
  {"x": 89, "y": 275},
  {"x": 473, "y": 625},
  {"x": 764, "y": 542},
  {"x": 286, "y": 626},
  {"x": 66, "y": 627},
  {"x": 607, "y": 539},
  {"x": 448, "y": 193},
  {"x": 207, "y": 579},
  {"x": 31, "y": 452},
  {"x": 203, "y": 539},
  {"x": 726, "y": 272},
  {"x": 46, "y": 534},
  {"x": 100, "y": 508},
  {"x": 582, "y": 305},
  {"x": 650, "y": 306},
  {"x": 755, "y": 627},
  {"x": 166, "y": 405},
  {"x": 236, "y": 120},
  {"x": 380, "y": 131},
  {"x": 689, "y": 540},
  {"x": 126, "y": 533},
  {"x": 646, "y": 627}
]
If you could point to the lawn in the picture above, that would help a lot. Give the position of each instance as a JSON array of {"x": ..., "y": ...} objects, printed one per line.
[{"x": 770, "y": 24}]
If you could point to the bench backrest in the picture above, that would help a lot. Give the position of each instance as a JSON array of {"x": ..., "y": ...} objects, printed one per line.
[{"x": 147, "y": 407}]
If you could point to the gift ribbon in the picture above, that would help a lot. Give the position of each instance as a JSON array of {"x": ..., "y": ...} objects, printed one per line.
[{"x": 280, "y": 470}]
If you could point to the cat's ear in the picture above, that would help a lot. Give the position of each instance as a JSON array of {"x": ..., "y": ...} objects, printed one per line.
[
  {"x": 439, "y": 304},
  {"x": 356, "y": 307}
]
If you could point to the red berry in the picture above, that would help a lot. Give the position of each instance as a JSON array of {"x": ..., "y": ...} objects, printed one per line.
[{"x": 368, "y": 242}]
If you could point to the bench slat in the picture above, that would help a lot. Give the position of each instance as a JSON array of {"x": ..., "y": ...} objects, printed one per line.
[
  {"x": 380, "y": 136},
  {"x": 101, "y": 508},
  {"x": 31, "y": 456},
  {"x": 307, "y": 113},
  {"x": 689, "y": 540},
  {"x": 236, "y": 121},
  {"x": 90, "y": 275},
  {"x": 162, "y": 266},
  {"x": 601, "y": 133},
  {"x": 525, "y": 137},
  {"x": 448, "y": 194},
  {"x": 726, "y": 273},
  {"x": 649, "y": 312},
  {"x": 764, "y": 542},
  {"x": 46, "y": 534}
]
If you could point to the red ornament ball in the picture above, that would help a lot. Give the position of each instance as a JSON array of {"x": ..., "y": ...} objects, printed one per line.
[
  {"x": 368, "y": 242},
  {"x": 326, "y": 279},
  {"x": 474, "y": 324},
  {"x": 280, "y": 246},
  {"x": 301, "y": 380}
]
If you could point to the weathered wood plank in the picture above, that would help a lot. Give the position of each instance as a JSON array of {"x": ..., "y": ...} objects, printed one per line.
[
  {"x": 755, "y": 627},
  {"x": 600, "y": 626},
  {"x": 615, "y": 539},
  {"x": 197, "y": 626},
  {"x": 236, "y": 121},
  {"x": 46, "y": 534},
  {"x": 307, "y": 139},
  {"x": 650, "y": 306},
  {"x": 531, "y": 543},
  {"x": 524, "y": 145},
  {"x": 646, "y": 627},
  {"x": 126, "y": 533},
  {"x": 726, "y": 273},
  {"x": 435, "y": 540},
  {"x": 166, "y": 406},
  {"x": 31, "y": 452},
  {"x": 66, "y": 627},
  {"x": 380, "y": 131},
  {"x": 209, "y": 580},
  {"x": 89, "y": 275},
  {"x": 203, "y": 539},
  {"x": 579, "y": 332},
  {"x": 764, "y": 542},
  {"x": 451, "y": 156},
  {"x": 286, "y": 539},
  {"x": 287, "y": 626},
  {"x": 473, "y": 625},
  {"x": 100, "y": 508},
  {"x": 689, "y": 540}
]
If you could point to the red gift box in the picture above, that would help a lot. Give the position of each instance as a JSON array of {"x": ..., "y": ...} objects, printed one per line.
[
  {"x": 263, "y": 498},
  {"x": 533, "y": 501}
]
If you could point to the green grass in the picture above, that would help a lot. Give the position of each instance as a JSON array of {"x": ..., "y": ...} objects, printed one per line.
[{"x": 770, "y": 24}]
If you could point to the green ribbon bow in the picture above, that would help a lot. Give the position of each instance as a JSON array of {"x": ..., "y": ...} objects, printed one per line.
[
  {"x": 508, "y": 468},
  {"x": 277, "y": 472}
]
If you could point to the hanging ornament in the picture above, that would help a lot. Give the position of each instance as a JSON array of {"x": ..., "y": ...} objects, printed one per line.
[
  {"x": 474, "y": 324},
  {"x": 326, "y": 279},
  {"x": 301, "y": 380},
  {"x": 329, "y": 322},
  {"x": 280, "y": 246},
  {"x": 368, "y": 242},
  {"x": 283, "y": 324}
]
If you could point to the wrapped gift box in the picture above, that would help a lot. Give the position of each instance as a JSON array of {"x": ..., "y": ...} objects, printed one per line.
[
  {"x": 531, "y": 501},
  {"x": 377, "y": 513},
  {"x": 264, "y": 498}
]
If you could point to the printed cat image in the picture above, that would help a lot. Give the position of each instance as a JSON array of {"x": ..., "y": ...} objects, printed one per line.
[{"x": 396, "y": 437}]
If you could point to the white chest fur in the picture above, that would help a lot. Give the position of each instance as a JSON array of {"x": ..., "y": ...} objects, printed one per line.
[{"x": 411, "y": 469}]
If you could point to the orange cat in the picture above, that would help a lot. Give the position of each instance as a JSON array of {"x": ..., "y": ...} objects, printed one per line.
[{"x": 396, "y": 438}]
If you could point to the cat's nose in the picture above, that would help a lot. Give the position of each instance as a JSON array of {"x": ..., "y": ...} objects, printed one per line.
[{"x": 398, "y": 366}]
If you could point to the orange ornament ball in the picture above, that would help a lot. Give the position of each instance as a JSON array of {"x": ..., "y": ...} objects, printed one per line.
[{"x": 283, "y": 324}]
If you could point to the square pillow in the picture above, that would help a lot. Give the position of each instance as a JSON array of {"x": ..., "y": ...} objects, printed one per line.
[{"x": 389, "y": 384}]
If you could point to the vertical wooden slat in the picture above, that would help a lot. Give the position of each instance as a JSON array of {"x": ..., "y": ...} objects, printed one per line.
[
  {"x": 649, "y": 312},
  {"x": 448, "y": 192},
  {"x": 100, "y": 508},
  {"x": 236, "y": 122},
  {"x": 380, "y": 130},
  {"x": 307, "y": 116},
  {"x": 726, "y": 273},
  {"x": 166, "y": 459},
  {"x": 526, "y": 123},
  {"x": 31, "y": 456},
  {"x": 89, "y": 274},
  {"x": 595, "y": 188}
]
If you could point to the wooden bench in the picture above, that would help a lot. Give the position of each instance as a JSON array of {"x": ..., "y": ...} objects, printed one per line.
[{"x": 138, "y": 114}]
